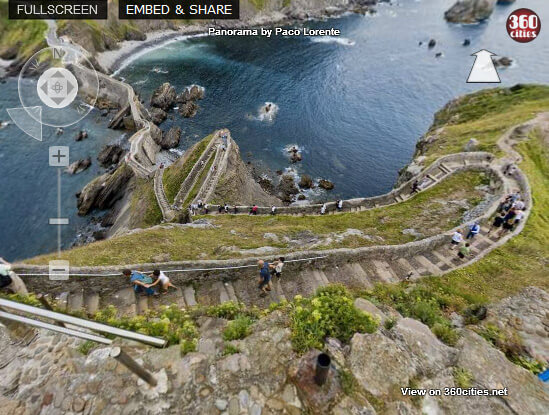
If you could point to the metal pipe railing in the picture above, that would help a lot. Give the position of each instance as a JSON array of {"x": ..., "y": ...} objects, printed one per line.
[
  {"x": 132, "y": 365},
  {"x": 53, "y": 327},
  {"x": 87, "y": 324}
]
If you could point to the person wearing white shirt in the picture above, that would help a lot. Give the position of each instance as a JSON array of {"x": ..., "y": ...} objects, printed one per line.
[{"x": 457, "y": 238}]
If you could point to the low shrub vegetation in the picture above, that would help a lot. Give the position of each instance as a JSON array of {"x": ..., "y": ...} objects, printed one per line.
[
  {"x": 238, "y": 328},
  {"x": 329, "y": 313}
]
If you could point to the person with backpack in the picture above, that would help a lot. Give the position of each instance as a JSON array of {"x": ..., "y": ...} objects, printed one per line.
[
  {"x": 264, "y": 277},
  {"x": 140, "y": 282}
]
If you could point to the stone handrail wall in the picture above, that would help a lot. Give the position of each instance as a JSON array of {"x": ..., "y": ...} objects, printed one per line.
[
  {"x": 195, "y": 173},
  {"x": 331, "y": 257},
  {"x": 473, "y": 160}
]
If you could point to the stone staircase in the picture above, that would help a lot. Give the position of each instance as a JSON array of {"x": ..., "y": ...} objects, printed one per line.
[
  {"x": 296, "y": 280},
  {"x": 167, "y": 212}
]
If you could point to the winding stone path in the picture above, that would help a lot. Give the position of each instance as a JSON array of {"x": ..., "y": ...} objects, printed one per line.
[{"x": 218, "y": 281}]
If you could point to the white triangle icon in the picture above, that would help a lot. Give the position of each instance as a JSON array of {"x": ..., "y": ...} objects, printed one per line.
[{"x": 484, "y": 70}]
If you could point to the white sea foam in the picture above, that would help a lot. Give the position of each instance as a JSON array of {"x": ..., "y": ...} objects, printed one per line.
[
  {"x": 152, "y": 47},
  {"x": 158, "y": 70},
  {"x": 143, "y": 81},
  {"x": 265, "y": 115},
  {"x": 333, "y": 39}
]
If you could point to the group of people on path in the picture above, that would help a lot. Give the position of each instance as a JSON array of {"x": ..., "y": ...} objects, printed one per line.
[
  {"x": 509, "y": 214},
  {"x": 266, "y": 272},
  {"x": 152, "y": 284}
]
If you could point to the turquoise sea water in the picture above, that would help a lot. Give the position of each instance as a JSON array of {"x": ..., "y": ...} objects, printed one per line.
[{"x": 356, "y": 105}]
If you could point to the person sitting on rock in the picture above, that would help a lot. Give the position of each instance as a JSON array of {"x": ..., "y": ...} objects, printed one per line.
[
  {"x": 161, "y": 279},
  {"x": 139, "y": 282}
]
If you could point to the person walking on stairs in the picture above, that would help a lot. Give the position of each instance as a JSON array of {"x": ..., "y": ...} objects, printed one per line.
[
  {"x": 457, "y": 238},
  {"x": 498, "y": 221},
  {"x": 139, "y": 282},
  {"x": 277, "y": 270},
  {"x": 474, "y": 230},
  {"x": 161, "y": 279},
  {"x": 264, "y": 277},
  {"x": 464, "y": 251}
]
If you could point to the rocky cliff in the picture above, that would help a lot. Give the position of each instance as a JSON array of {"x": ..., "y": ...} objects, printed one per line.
[
  {"x": 263, "y": 374},
  {"x": 470, "y": 11}
]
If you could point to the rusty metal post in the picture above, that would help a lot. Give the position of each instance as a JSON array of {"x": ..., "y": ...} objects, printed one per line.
[
  {"x": 44, "y": 301},
  {"x": 322, "y": 368},
  {"x": 132, "y": 365}
]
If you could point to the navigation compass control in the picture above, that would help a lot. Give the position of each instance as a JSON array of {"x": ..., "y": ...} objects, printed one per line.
[{"x": 57, "y": 87}]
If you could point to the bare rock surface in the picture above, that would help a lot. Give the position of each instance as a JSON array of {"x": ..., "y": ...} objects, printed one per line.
[{"x": 470, "y": 11}]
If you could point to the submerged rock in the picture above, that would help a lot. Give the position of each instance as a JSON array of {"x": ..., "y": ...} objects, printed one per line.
[
  {"x": 503, "y": 61},
  {"x": 326, "y": 184},
  {"x": 306, "y": 182},
  {"x": 79, "y": 166},
  {"x": 432, "y": 43},
  {"x": 82, "y": 135},
  {"x": 470, "y": 11},
  {"x": 164, "y": 96}
]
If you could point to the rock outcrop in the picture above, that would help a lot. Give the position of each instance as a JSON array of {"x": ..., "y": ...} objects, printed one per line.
[
  {"x": 286, "y": 189},
  {"x": 109, "y": 155},
  {"x": 326, "y": 184},
  {"x": 104, "y": 191},
  {"x": 470, "y": 11},
  {"x": 170, "y": 139},
  {"x": 164, "y": 96},
  {"x": 157, "y": 115},
  {"x": 79, "y": 166}
]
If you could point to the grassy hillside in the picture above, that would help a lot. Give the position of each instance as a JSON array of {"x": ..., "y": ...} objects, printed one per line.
[
  {"x": 429, "y": 213},
  {"x": 19, "y": 39}
]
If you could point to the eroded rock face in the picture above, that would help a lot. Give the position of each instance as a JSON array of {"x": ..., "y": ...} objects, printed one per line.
[
  {"x": 170, "y": 139},
  {"x": 164, "y": 96},
  {"x": 109, "y": 155},
  {"x": 104, "y": 191},
  {"x": 286, "y": 189},
  {"x": 79, "y": 166},
  {"x": 470, "y": 11},
  {"x": 158, "y": 115},
  {"x": 188, "y": 109}
]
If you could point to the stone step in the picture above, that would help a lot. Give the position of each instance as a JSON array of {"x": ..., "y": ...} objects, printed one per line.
[
  {"x": 384, "y": 271},
  {"x": 428, "y": 265},
  {"x": 359, "y": 274},
  {"x": 444, "y": 259},
  {"x": 91, "y": 302},
  {"x": 278, "y": 288},
  {"x": 142, "y": 303},
  {"x": 124, "y": 300},
  {"x": 321, "y": 277},
  {"x": 76, "y": 301},
  {"x": 63, "y": 300},
  {"x": 407, "y": 268},
  {"x": 230, "y": 290},
  {"x": 189, "y": 296},
  {"x": 223, "y": 294}
]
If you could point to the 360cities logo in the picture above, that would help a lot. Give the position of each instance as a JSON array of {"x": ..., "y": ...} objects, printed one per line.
[{"x": 523, "y": 25}]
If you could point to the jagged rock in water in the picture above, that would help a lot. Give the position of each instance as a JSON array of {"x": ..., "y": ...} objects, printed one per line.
[
  {"x": 158, "y": 115},
  {"x": 326, "y": 184},
  {"x": 164, "y": 96},
  {"x": 188, "y": 109},
  {"x": 82, "y": 135},
  {"x": 466, "y": 42},
  {"x": 104, "y": 191},
  {"x": 109, "y": 155},
  {"x": 432, "y": 43},
  {"x": 503, "y": 61},
  {"x": 79, "y": 166},
  {"x": 170, "y": 139},
  {"x": 470, "y": 11},
  {"x": 306, "y": 182},
  {"x": 191, "y": 93}
]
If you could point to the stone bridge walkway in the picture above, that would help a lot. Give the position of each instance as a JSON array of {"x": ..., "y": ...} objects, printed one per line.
[{"x": 214, "y": 282}]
